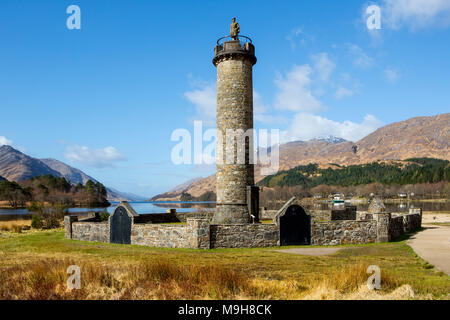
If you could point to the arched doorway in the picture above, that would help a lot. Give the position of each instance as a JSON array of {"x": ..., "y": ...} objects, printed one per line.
[
  {"x": 295, "y": 227},
  {"x": 120, "y": 224}
]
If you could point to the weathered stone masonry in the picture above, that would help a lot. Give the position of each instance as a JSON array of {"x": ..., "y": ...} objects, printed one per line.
[
  {"x": 198, "y": 233},
  {"x": 234, "y": 62}
]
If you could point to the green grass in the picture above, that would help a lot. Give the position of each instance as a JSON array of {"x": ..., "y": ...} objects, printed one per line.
[{"x": 396, "y": 260}]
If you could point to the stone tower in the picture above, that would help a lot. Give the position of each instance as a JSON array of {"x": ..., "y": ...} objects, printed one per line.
[{"x": 234, "y": 58}]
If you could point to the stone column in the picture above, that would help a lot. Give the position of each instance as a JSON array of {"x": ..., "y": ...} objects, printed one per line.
[
  {"x": 68, "y": 220},
  {"x": 198, "y": 233},
  {"x": 383, "y": 220},
  {"x": 234, "y": 62}
]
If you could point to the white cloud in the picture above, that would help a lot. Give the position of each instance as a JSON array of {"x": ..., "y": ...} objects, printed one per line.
[
  {"x": 294, "y": 91},
  {"x": 360, "y": 58},
  {"x": 4, "y": 141},
  {"x": 307, "y": 126},
  {"x": 392, "y": 75},
  {"x": 342, "y": 92},
  {"x": 97, "y": 158},
  {"x": 323, "y": 65},
  {"x": 204, "y": 100},
  {"x": 415, "y": 14},
  {"x": 293, "y": 35}
]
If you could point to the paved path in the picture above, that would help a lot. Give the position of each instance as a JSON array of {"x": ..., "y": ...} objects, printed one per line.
[
  {"x": 433, "y": 245},
  {"x": 311, "y": 251}
]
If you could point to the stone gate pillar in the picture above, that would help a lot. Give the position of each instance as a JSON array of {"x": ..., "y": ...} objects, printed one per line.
[{"x": 234, "y": 60}]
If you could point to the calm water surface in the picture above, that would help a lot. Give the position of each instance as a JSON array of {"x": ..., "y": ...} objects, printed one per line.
[
  {"x": 161, "y": 207},
  {"x": 139, "y": 207}
]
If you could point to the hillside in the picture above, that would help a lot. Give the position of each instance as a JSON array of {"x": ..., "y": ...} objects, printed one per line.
[
  {"x": 54, "y": 190},
  {"x": 413, "y": 138},
  {"x": 76, "y": 176},
  {"x": 401, "y": 172},
  {"x": 71, "y": 174},
  {"x": 17, "y": 166}
]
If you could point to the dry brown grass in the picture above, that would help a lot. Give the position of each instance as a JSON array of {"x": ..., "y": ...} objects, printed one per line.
[
  {"x": 15, "y": 226},
  {"x": 46, "y": 279}
]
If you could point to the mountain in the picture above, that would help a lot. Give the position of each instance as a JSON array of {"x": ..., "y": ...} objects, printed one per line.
[
  {"x": 413, "y": 138},
  {"x": 115, "y": 195},
  {"x": 331, "y": 139},
  {"x": 71, "y": 174},
  {"x": 76, "y": 176},
  {"x": 2, "y": 179},
  {"x": 185, "y": 185},
  {"x": 17, "y": 166}
]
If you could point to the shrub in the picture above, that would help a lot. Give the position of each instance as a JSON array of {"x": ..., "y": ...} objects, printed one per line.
[
  {"x": 17, "y": 228},
  {"x": 104, "y": 216},
  {"x": 36, "y": 222}
]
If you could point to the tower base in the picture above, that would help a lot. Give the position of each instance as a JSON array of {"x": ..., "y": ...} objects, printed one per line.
[{"x": 231, "y": 214}]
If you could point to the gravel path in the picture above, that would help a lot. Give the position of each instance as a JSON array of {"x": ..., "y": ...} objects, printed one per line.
[{"x": 433, "y": 245}]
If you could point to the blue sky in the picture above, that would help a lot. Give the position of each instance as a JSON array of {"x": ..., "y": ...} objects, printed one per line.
[{"x": 106, "y": 98}]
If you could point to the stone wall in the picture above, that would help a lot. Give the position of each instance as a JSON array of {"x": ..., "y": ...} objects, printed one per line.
[
  {"x": 265, "y": 214},
  {"x": 159, "y": 235},
  {"x": 395, "y": 227},
  {"x": 412, "y": 222},
  {"x": 90, "y": 231},
  {"x": 194, "y": 234},
  {"x": 199, "y": 233},
  {"x": 244, "y": 235},
  {"x": 363, "y": 215},
  {"x": 348, "y": 213},
  {"x": 404, "y": 223},
  {"x": 320, "y": 215},
  {"x": 343, "y": 232}
]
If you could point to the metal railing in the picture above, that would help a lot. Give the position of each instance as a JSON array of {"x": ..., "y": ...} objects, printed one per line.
[{"x": 242, "y": 40}]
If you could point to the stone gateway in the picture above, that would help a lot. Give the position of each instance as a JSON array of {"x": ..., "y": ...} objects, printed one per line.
[
  {"x": 120, "y": 226},
  {"x": 295, "y": 227}
]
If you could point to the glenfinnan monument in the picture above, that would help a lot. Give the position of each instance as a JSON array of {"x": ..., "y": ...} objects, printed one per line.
[{"x": 237, "y": 197}]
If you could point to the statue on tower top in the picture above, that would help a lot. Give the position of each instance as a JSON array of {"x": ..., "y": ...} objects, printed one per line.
[{"x": 234, "y": 29}]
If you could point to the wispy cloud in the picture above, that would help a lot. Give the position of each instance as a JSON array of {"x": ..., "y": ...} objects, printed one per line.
[
  {"x": 415, "y": 14},
  {"x": 306, "y": 126},
  {"x": 293, "y": 37},
  {"x": 204, "y": 100},
  {"x": 294, "y": 91},
  {"x": 391, "y": 74},
  {"x": 323, "y": 66},
  {"x": 97, "y": 158},
  {"x": 360, "y": 58},
  {"x": 343, "y": 92},
  {"x": 4, "y": 141}
]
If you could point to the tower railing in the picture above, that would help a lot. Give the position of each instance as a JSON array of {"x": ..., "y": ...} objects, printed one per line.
[{"x": 242, "y": 40}]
